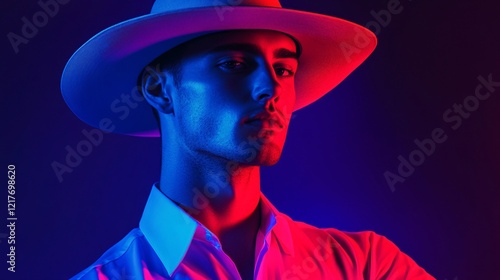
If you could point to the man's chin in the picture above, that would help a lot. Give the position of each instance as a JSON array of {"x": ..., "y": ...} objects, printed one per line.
[
  {"x": 268, "y": 156},
  {"x": 260, "y": 152}
]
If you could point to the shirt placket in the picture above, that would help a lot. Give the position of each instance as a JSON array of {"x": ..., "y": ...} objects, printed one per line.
[
  {"x": 228, "y": 263},
  {"x": 266, "y": 246},
  {"x": 260, "y": 258}
]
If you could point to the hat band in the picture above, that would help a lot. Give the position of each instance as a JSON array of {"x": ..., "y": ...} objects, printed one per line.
[{"x": 161, "y": 6}]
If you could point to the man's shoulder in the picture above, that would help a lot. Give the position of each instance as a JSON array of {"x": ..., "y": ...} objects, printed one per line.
[
  {"x": 367, "y": 249},
  {"x": 122, "y": 252},
  {"x": 361, "y": 239}
]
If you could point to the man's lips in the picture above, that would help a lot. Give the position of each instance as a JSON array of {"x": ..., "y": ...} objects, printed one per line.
[{"x": 265, "y": 120}]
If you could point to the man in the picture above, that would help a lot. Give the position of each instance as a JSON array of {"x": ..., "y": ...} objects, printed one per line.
[{"x": 223, "y": 81}]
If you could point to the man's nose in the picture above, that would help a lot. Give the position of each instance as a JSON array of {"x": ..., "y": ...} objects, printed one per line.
[{"x": 266, "y": 86}]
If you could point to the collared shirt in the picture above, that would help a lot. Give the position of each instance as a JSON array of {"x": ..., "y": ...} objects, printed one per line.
[{"x": 170, "y": 244}]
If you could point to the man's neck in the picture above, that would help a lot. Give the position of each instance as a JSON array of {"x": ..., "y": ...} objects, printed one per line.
[{"x": 221, "y": 195}]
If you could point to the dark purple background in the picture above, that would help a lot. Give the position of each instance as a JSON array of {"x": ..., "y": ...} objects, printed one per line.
[{"x": 446, "y": 215}]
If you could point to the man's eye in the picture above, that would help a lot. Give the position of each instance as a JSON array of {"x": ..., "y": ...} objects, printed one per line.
[
  {"x": 283, "y": 72},
  {"x": 232, "y": 65}
]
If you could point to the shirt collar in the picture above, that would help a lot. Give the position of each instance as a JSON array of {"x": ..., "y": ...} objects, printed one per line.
[
  {"x": 167, "y": 228},
  {"x": 170, "y": 230}
]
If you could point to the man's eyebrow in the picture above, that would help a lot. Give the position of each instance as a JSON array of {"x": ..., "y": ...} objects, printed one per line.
[
  {"x": 285, "y": 53},
  {"x": 253, "y": 49}
]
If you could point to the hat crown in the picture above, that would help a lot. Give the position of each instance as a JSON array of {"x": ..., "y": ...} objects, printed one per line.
[{"x": 161, "y": 6}]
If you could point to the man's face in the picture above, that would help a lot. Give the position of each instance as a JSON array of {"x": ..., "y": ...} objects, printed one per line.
[{"x": 235, "y": 96}]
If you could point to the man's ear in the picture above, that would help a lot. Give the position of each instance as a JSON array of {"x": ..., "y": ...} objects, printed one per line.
[{"x": 157, "y": 90}]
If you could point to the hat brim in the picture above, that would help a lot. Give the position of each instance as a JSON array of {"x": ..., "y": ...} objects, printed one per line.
[{"x": 99, "y": 82}]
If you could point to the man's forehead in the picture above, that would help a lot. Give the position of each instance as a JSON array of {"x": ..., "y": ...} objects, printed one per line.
[
  {"x": 279, "y": 51},
  {"x": 252, "y": 41}
]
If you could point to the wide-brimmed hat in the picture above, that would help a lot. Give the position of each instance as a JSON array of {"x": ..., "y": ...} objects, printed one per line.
[{"x": 99, "y": 82}]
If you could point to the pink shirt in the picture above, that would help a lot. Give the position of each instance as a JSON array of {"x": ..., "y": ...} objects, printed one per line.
[{"x": 169, "y": 244}]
